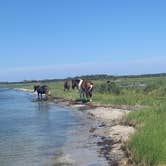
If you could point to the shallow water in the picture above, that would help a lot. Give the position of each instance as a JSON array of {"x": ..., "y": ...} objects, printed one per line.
[{"x": 42, "y": 133}]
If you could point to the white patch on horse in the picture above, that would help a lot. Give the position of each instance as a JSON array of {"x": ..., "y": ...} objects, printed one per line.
[
  {"x": 79, "y": 85},
  {"x": 80, "y": 88},
  {"x": 91, "y": 86}
]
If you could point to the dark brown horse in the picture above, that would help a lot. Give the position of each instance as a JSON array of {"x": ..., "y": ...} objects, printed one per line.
[
  {"x": 85, "y": 88},
  {"x": 66, "y": 85},
  {"x": 41, "y": 90}
]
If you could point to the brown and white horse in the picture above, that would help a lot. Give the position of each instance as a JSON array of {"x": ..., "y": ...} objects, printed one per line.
[{"x": 85, "y": 88}]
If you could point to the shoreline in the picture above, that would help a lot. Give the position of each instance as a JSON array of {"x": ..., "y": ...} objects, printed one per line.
[
  {"x": 23, "y": 89},
  {"x": 113, "y": 135}
]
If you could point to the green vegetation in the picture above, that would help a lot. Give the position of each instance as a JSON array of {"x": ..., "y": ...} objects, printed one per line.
[{"x": 148, "y": 144}]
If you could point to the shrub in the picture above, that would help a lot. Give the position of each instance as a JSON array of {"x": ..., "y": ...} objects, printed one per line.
[
  {"x": 150, "y": 88},
  {"x": 108, "y": 88}
]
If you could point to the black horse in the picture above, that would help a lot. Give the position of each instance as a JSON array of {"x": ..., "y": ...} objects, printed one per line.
[
  {"x": 41, "y": 90},
  {"x": 66, "y": 85}
]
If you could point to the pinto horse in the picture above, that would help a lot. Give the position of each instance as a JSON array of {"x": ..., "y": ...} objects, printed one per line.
[
  {"x": 41, "y": 90},
  {"x": 85, "y": 88},
  {"x": 66, "y": 85}
]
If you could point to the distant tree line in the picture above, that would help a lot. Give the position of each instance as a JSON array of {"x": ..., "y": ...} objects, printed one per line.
[
  {"x": 107, "y": 77},
  {"x": 91, "y": 77}
]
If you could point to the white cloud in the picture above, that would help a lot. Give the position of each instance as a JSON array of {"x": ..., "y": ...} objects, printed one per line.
[{"x": 134, "y": 66}]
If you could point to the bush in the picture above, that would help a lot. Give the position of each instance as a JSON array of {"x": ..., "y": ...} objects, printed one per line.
[
  {"x": 150, "y": 88},
  {"x": 110, "y": 87}
]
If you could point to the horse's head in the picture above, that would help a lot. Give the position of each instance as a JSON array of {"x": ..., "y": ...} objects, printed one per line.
[
  {"x": 36, "y": 87},
  {"x": 89, "y": 89}
]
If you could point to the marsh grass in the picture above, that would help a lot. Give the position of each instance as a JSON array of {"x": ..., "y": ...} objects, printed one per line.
[{"x": 148, "y": 144}]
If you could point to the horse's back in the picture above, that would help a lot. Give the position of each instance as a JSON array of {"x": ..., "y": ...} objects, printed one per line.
[
  {"x": 87, "y": 85},
  {"x": 46, "y": 88}
]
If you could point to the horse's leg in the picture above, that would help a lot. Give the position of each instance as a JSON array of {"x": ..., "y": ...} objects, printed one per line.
[
  {"x": 86, "y": 94},
  {"x": 46, "y": 94},
  {"x": 90, "y": 96},
  {"x": 38, "y": 95},
  {"x": 80, "y": 94},
  {"x": 41, "y": 96},
  {"x": 90, "y": 99},
  {"x": 83, "y": 94}
]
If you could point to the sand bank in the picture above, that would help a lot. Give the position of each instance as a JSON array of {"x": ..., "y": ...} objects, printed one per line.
[{"x": 113, "y": 135}]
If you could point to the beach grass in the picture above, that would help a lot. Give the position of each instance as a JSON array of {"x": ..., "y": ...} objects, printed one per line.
[{"x": 148, "y": 144}]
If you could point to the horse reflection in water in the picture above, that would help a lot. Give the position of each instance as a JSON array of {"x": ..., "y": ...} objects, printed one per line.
[
  {"x": 43, "y": 106},
  {"x": 41, "y": 90}
]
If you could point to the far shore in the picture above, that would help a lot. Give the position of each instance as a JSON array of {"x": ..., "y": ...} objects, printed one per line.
[
  {"x": 113, "y": 133},
  {"x": 23, "y": 89}
]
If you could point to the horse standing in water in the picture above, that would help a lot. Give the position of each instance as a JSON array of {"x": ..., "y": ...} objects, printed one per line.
[
  {"x": 41, "y": 90},
  {"x": 66, "y": 85},
  {"x": 85, "y": 88}
]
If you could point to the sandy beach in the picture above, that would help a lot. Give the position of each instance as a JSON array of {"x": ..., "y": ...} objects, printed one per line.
[{"x": 112, "y": 133}]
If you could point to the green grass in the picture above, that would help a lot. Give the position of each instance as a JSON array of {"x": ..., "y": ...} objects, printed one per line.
[
  {"x": 154, "y": 92},
  {"x": 148, "y": 144}
]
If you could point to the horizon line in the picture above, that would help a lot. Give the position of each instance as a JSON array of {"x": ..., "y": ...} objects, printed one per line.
[{"x": 90, "y": 75}]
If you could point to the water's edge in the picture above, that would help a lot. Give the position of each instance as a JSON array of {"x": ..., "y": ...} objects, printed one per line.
[
  {"x": 79, "y": 147},
  {"x": 106, "y": 135}
]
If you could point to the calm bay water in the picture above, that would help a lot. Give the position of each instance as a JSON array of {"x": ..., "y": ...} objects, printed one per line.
[{"x": 32, "y": 133}]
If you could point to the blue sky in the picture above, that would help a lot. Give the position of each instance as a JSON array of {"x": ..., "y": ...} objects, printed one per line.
[{"x": 42, "y": 39}]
